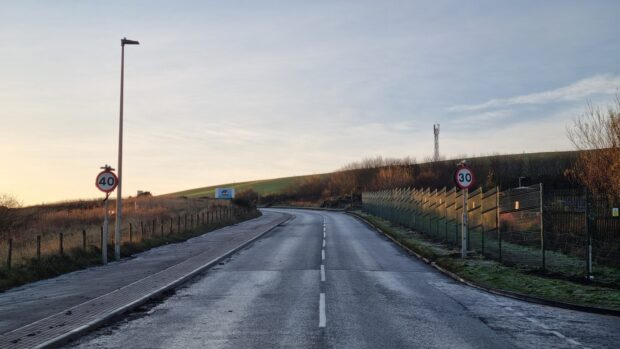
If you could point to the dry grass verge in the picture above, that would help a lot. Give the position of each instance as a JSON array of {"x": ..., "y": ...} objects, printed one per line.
[{"x": 33, "y": 269}]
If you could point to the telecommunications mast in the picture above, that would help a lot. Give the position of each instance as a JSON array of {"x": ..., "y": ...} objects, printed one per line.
[{"x": 436, "y": 131}]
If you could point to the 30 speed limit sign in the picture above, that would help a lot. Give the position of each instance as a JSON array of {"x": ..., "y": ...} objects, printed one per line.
[
  {"x": 464, "y": 177},
  {"x": 106, "y": 181}
]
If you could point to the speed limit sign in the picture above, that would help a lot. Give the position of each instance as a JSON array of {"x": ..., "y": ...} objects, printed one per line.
[
  {"x": 106, "y": 181},
  {"x": 464, "y": 177}
]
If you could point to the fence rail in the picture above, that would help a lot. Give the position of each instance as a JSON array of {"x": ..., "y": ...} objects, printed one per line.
[
  {"x": 18, "y": 250},
  {"x": 564, "y": 232}
]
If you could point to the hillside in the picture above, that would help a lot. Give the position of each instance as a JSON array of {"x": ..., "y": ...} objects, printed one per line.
[
  {"x": 501, "y": 170},
  {"x": 263, "y": 187}
]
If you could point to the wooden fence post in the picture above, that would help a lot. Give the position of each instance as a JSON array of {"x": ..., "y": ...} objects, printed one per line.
[
  {"x": 62, "y": 252},
  {"x": 141, "y": 230},
  {"x": 482, "y": 218},
  {"x": 161, "y": 227},
  {"x": 497, "y": 223},
  {"x": 84, "y": 239},
  {"x": 542, "y": 228},
  {"x": 178, "y": 224},
  {"x": 153, "y": 230},
  {"x": 9, "y": 254},
  {"x": 130, "y": 232},
  {"x": 38, "y": 247}
]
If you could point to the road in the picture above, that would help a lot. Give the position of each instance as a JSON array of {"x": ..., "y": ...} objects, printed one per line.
[{"x": 325, "y": 280}]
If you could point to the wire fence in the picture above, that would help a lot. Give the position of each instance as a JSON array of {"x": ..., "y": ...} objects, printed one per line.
[
  {"x": 560, "y": 232},
  {"x": 19, "y": 249}
]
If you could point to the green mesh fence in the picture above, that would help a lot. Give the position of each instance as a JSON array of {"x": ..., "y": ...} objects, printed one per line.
[{"x": 570, "y": 234}]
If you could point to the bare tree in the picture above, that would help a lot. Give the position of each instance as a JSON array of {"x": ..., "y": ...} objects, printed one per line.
[
  {"x": 597, "y": 134},
  {"x": 9, "y": 201},
  {"x": 8, "y": 204}
]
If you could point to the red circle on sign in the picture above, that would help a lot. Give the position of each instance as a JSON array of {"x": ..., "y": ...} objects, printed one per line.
[
  {"x": 464, "y": 177},
  {"x": 106, "y": 187}
]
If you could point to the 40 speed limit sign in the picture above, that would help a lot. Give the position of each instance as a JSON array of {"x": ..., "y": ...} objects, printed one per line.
[
  {"x": 106, "y": 181},
  {"x": 464, "y": 177}
]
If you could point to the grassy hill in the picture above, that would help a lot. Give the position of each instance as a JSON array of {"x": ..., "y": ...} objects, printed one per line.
[
  {"x": 263, "y": 187},
  {"x": 502, "y": 170}
]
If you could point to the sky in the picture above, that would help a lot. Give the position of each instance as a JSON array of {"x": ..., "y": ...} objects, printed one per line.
[{"x": 229, "y": 91}]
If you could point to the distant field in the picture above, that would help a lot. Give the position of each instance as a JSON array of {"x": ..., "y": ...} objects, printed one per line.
[{"x": 263, "y": 187}]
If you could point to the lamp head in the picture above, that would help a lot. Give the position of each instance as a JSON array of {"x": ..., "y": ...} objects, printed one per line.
[{"x": 125, "y": 41}]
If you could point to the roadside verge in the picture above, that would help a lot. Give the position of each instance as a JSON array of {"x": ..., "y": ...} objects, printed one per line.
[{"x": 498, "y": 279}]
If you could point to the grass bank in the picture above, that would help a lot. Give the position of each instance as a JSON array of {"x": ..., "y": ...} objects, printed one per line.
[
  {"x": 77, "y": 258},
  {"x": 262, "y": 187},
  {"x": 491, "y": 274}
]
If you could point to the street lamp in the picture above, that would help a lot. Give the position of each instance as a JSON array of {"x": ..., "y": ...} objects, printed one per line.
[{"x": 119, "y": 195}]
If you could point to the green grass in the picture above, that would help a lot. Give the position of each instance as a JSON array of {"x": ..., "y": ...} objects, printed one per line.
[
  {"x": 77, "y": 259},
  {"x": 494, "y": 275},
  {"x": 263, "y": 187}
]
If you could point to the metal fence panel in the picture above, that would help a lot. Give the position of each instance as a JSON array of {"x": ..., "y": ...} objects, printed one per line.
[{"x": 571, "y": 234}]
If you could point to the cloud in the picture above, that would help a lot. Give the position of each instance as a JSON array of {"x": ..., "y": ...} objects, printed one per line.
[
  {"x": 480, "y": 118},
  {"x": 598, "y": 84}
]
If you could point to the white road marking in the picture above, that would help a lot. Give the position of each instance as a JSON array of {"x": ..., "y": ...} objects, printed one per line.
[
  {"x": 545, "y": 327},
  {"x": 322, "y": 272},
  {"x": 322, "y": 317},
  {"x": 323, "y": 243},
  {"x": 558, "y": 334},
  {"x": 322, "y": 254},
  {"x": 534, "y": 321}
]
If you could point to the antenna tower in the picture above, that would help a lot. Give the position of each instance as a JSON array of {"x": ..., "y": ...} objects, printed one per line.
[{"x": 436, "y": 132}]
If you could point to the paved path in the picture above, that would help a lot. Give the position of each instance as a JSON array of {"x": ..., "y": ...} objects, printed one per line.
[
  {"x": 324, "y": 280},
  {"x": 70, "y": 301}
]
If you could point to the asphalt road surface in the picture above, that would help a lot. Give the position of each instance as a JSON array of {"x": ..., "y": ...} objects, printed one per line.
[{"x": 325, "y": 280}]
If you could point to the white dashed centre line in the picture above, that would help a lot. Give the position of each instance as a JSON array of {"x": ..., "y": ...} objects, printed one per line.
[{"x": 322, "y": 317}]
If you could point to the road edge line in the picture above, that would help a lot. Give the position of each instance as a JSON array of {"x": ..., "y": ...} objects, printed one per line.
[
  {"x": 92, "y": 325},
  {"x": 509, "y": 294}
]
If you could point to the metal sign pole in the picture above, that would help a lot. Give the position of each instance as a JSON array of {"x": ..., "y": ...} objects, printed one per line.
[
  {"x": 104, "y": 239},
  {"x": 464, "y": 179},
  {"x": 105, "y": 181},
  {"x": 464, "y": 225}
]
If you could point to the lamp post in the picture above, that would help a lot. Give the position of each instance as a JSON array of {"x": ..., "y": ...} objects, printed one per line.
[{"x": 119, "y": 196}]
